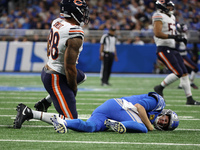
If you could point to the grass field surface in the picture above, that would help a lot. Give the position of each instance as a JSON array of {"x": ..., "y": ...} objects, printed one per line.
[{"x": 37, "y": 135}]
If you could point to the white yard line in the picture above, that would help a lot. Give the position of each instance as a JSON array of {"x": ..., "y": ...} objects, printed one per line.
[
  {"x": 86, "y": 116},
  {"x": 99, "y": 142}
]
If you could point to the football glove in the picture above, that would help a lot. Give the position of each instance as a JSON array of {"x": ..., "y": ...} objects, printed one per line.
[{"x": 178, "y": 38}]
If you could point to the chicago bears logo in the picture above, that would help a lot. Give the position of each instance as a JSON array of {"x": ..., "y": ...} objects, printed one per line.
[
  {"x": 78, "y": 2},
  {"x": 162, "y": 1}
]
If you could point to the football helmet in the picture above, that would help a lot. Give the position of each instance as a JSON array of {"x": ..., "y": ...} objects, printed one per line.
[
  {"x": 181, "y": 27},
  {"x": 78, "y": 9},
  {"x": 173, "y": 120},
  {"x": 162, "y": 5}
]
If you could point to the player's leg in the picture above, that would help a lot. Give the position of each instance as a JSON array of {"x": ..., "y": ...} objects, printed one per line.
[
  {"x": 25, "y": 113},
  {"x": 62, "y": 95},
  {"x": 186, "y": 83},
  {"x": 194, "y": 69},
  {"x": 93, "y": 124},
  {"x": 45, "y": 103},
  {"x": 105, "y": 69},
  {"x": 74, "y": 124},
  {"x": 110, "y": 63},
  {"x": 81, "y": 77},
  {"x": 135, "y": 127},
  {"x": 168, "y": 57},
  {"x": 117, "y": 115}
]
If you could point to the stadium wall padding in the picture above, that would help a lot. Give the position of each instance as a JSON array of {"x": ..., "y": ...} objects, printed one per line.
[{"x": 31, "y": 57}]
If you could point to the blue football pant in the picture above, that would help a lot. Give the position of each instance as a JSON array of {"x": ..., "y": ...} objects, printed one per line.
[{"x": 111, "y": 109}]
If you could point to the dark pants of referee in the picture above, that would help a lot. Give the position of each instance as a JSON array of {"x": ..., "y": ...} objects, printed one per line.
[{"x": 106, "y": 67}]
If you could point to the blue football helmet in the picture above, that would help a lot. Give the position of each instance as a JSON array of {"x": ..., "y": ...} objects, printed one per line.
[
  {"x": 162, "y": 5},
  {"x": 173, "y": 120},
  {"x": 78, "y": 9}
]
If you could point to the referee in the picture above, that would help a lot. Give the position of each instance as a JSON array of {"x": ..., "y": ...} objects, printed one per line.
[{"x": 107, "y": 54}]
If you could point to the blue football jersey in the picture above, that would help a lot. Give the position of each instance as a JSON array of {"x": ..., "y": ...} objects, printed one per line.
[{"x": 153, "y": 106}]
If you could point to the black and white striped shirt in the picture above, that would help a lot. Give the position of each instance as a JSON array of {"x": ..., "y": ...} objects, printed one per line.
[{"x": 109, "y": 42}]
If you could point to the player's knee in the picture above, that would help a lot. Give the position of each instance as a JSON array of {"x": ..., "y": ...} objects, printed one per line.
[
  {"x": 90, "y": 126},
  {"x": 196, "y": 69},
  {"x": 81, "y": 76},
  {"x": 179, "y": 75}
]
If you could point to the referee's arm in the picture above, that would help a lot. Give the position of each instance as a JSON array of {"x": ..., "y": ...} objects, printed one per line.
[
  {"x": 101, "y": 52},
  {"x": 115, "y": 53}
]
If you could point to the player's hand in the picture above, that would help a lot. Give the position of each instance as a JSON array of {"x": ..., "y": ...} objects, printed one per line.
[
  {"x": 179, "y": 38},
  {"x": 101, "y": 57},
  {"x": 151, "y": 128},
  {"x": 75, "y": 92}
]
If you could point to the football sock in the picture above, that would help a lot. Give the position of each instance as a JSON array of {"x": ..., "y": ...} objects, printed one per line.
[
  {"x": 169, "y": 79},
  {"x": 42, "y": 116},
  {"x": 48, "y": 98},
  {"x": 192, "y": 76},
  {"x": 186, "y": 85}
]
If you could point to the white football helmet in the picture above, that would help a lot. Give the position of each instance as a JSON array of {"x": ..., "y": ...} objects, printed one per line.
[{"x": 173, "y": 120}]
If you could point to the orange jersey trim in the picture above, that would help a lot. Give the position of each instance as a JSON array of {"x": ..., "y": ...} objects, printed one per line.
[
  {"x": 60, "y": 97},
  {"x": 169, "y": 65}
]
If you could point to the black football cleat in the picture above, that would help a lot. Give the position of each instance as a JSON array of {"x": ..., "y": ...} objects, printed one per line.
[
  {"x": 42, "y": 105},
  {"x": 179, "y": 87},
  {"x": 23, "y": 113},
  {"x": 159, "y": 89},
  {"x": 191, "y": 101},
  {"x": 193, "y": 86}
]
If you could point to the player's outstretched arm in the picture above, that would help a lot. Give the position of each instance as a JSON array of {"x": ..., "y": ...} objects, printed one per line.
[{"x": 143, "y": 115}]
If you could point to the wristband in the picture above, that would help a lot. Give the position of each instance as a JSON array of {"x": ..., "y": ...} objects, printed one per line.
[{"x": 171, "y": 36}]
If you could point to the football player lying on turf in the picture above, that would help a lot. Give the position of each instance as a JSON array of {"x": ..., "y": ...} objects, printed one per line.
[{"x": 134, "y": 113}]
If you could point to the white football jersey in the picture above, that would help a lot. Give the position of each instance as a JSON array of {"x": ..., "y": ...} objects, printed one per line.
[
  {"x": 60, "y": 32},
  {"x": 169, "y": 27},
  {"x": 182, "y": 46}
]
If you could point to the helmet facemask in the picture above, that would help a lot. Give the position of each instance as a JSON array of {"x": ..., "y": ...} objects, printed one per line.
[
  {"x": 162, "y": 122},
  {"x": 164, "y": 6},
  {"x": 173, "y": 120}
]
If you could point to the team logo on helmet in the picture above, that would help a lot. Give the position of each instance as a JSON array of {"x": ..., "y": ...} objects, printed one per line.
[
  {"x": 78, "y": 2},
  {"x": 162, "y": 1}
]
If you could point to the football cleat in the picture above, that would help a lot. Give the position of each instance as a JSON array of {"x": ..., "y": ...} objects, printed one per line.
[
  {"x": 23, "y": 113},
  {"x": 115, "y": 126},
  {"x": 193, "y": 86},
  {"x": 191, "y": 101},
  {"x": 59, "y": 124},
  {"x": 179, "y": 87},
  {"x": 159, "y": 89},
  {"x": 42, "y": 105}
]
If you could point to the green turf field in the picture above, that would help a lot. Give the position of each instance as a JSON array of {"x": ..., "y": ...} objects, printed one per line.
[{"x": 37, "y": 135}]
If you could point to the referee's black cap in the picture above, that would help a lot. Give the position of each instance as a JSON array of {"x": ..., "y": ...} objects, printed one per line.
[{"x": 112, "y": 28}]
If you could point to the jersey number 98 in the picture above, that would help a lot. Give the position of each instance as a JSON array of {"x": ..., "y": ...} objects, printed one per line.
[{"x": 53, "y": 44}]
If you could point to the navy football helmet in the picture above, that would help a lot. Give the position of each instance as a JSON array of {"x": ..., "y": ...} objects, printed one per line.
[
  {"x": 181, "y": 27},
  {"x": 78, "y": 9},
  {"x": 173, "y": 120},
  {"x": 162, "y": 5}
]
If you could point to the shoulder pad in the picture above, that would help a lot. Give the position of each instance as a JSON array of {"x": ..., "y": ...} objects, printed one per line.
[
  {"x": 157, "y": 16},
  {"x": 161, "y": 102}
]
